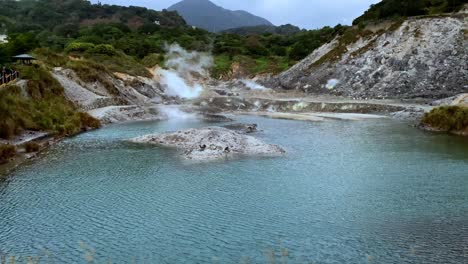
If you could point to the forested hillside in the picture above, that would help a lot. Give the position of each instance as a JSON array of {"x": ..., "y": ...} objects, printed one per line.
[
  {"x": 264, "y": 29},
  {"x": 271, "y": 53},
  {"x": 56, "y": 24},
  {"x": 407, "y": 8},
  {"x": 129, "y": 39},
  {"x": 55, "y": 15}
]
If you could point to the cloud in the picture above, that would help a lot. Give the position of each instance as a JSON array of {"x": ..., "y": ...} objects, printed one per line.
[
  {"x": 312, "y": 13},
  {"x": 303, "y": 13}
]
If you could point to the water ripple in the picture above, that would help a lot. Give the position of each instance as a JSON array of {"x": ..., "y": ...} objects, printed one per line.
[{"x": 367, "y": 197}]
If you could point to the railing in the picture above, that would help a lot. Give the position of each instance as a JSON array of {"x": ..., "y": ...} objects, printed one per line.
[{"x": 9, "y": 77}]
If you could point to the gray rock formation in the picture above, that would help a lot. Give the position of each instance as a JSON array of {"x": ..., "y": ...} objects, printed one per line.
[
  {"x": 117, "y": 114},
  {"x": 211, "y": 143},
  {"x": 129, "y": 98},
  {"x": 243, "y": 104},
  {"x": 422, "y": 58},
  {"x": 461, "y": 99}
]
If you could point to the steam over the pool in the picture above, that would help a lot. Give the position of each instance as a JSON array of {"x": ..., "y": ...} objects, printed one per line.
[
  {"x": 183, "y": 69},
  {"x": 174, "y": 113}
]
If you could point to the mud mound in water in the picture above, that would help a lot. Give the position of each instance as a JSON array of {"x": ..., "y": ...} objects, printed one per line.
[{"x": 207, "y": 144}]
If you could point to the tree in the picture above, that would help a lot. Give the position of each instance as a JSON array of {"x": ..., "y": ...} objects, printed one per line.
[
  {"x": 21, "y": 43},
  {"x": 67, "y": 30},
  {"x": 255, "y": 47}
]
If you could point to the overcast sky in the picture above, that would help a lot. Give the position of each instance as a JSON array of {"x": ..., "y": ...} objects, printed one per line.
[{"x": 303, "y": 13}]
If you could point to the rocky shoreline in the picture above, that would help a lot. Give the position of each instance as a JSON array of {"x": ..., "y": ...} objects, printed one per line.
[
  {"x": 42, "y": 142},
  {"x": 271, "y": 104},
  {"x": 428, "y": 128},
  {"x": 235, "y": 136}
]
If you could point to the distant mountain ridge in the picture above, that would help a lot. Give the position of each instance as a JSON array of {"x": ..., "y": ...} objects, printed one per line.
[
  {"x": 209, "y": 16},
  {"x": 264, "y": 29}
]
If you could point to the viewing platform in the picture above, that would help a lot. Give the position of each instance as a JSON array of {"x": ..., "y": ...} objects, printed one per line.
[{"x": 10, "y": 75}]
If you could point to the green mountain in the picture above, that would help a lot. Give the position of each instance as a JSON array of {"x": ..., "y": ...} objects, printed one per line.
[
  {"x": 59, "y": 24},
  {"x": 205, "y": 14},
  {"x": 56, "y": 14}
]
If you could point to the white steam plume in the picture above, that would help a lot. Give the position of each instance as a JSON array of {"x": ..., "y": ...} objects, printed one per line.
[
  {"x": 253, "y": 85},
  {"x": 332, "y": 83},
  {"x": 176, "y": 86},
  {"x": 173, "y": 112},
  {"x": 184, "y": 68},
  {"x": 185, "y": 62}
]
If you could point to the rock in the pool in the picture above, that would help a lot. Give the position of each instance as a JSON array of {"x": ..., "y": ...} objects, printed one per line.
[
  {"x": 243, "y": 128},
  {"x": 211, "y": 143}
]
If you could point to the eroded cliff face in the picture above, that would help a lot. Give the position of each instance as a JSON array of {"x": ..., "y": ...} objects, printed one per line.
[
  {"x": 121, "y": 98},
  {"x": 419, "y": 58}
]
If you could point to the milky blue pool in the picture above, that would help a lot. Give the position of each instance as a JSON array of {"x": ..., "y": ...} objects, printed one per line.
[{"x": 374, "y": 191}]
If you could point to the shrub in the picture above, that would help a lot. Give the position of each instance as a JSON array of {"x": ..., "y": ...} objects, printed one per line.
[
  {"x": 104, "y": 49},
  {"x": 121, "y": 62},
  {"x": 87, "y": 121},
  {"x": 79, "y": 47},
  {"x": 31, "y": 147},
  {"x": 222, "y": 66},
  {"x": 255, "y": 46},
  {"x": 153, "y": 59},
  {"x": 7, "y": 152},
  {"x": 51, "y": 58},
  {"x": 15, "y": 112},
  {"x": 447, "y": 118},
  {"x": 8, "y": 128}
]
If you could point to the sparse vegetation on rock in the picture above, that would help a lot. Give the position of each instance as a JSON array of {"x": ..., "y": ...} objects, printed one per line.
[
  {"x": 6, "y": 152},
  {"x": 31, "y": 147},
  {"x": 39, "y": 106},
  {"x": 447, "y": 118}
]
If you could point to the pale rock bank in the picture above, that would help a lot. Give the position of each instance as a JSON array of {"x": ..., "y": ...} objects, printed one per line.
[
  {"x": 212, "y": 143},
  {"x": 419, "y": 58},
  {"x": 124, "y": 98}
]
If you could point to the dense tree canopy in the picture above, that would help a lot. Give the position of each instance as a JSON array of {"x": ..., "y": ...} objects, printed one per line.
[
  {"x": 56, "y": 24},
  {"x": 264, "y": 29},
  {"x": 407, "y": 8}
]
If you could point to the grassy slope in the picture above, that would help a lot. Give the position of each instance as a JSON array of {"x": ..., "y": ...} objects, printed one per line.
[
  {"x": 272, "y": 64},
  {"x": 42, "y": 108}
]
